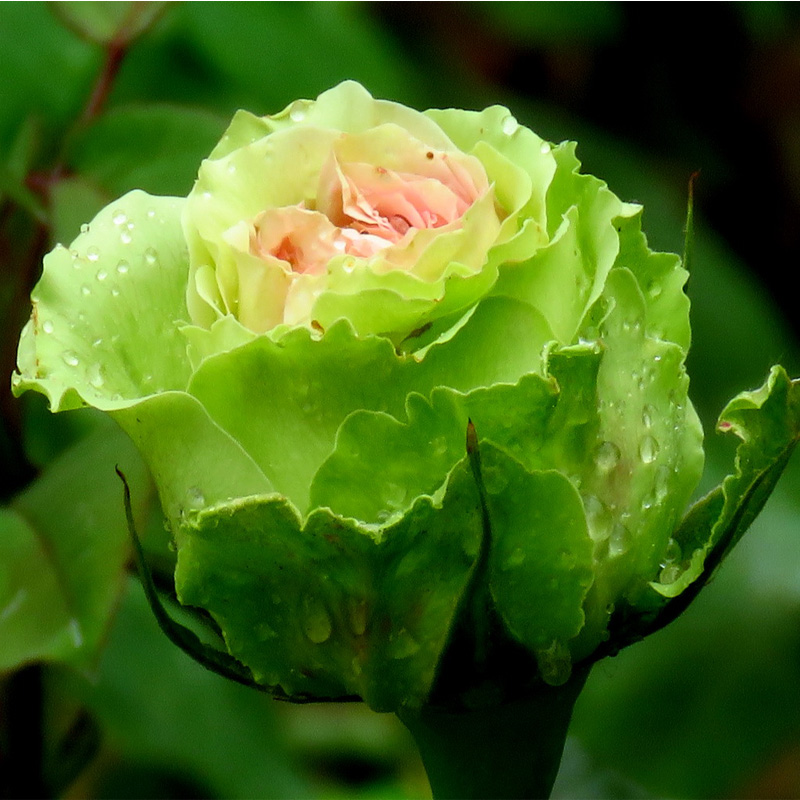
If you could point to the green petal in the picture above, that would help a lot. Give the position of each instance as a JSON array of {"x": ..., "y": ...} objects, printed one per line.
[
  {"x": 541, "y": 558},
  {"x": 496, "y": 127},
  {"x": 350, "y": 108},
  {"x": 284, "y": 401},
  {"x": 648, "y": 458},
  {"x": 193, "y": 462},
  {"x": 103, "y": 330},
  {"x": 767, "y": 421},
  {"x": 323, "y": 608}
]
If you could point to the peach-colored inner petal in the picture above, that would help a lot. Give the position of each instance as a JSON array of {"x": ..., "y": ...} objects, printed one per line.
[{"x": 362, "y": 209}]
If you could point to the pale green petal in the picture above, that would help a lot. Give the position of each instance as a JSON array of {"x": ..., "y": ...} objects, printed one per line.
[{"x": 104, "y": 329}]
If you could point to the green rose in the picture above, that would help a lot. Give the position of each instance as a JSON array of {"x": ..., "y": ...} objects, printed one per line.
[{"x": 299, "y": 347}]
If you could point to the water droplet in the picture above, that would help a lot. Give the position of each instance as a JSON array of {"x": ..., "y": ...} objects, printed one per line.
[
  {"x": 357, "y": 614},
  {"x": 70, "y": 359},
  {"x": 114, "y": 291},
  {"x": 101, "y": 275},
  {"x": 619, "y": 541},
  {"x": 545, "y": 148},
  {"x": 670, "y": 573},
  {"x": 119, "y": 217},
  {"x": 348, "y": 265},
  {"x": 648, "y": 449},
  {"x": 439, "y": 447},
  {"x": 125, "y": 237},
  {"x": 86, "y": 290},
  {"x": 598, "y": 518},
  {"x": 647, "y": 416},
  {"x": 123, "y": 267},
  {"x": 195, "y": 497},
  {"x": 47, "y": 326},
  {"x": 96, "y": 378},
  {"x": 672, "y": 553},
  {"x": 555, "y": 663},
  {"x": 402, "y": 644},
  {"x": 297, "y": 113},
  {"x": 265, "y": 632},
  {"x": 509, "y": 125},
  {"x": 150, "y": 256},
  {"x": 607, "y": 456},
  {"x": 661, "y": 484},
  {"x": 317, "y": 624},
  {"x": 85, "y": 228},
  {"x": 394, "y": 496},
  {"x": 231, "y": 169},
  {"x": 206, "y": 195},
  {"x": 515, "y": 558},
  {"x": 93, "y": 253},
  {"x": 151, "y": 213},
  {"x": 75, "y": 633}
]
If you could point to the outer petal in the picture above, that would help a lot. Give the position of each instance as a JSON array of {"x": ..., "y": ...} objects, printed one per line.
[{"x": 104, "y": 330}]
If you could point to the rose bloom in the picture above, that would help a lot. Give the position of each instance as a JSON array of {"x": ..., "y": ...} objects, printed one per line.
[{"x": 298, "y": 346}]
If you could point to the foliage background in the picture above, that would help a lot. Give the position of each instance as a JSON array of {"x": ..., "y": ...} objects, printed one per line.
[{"x": 88, "y": 686}]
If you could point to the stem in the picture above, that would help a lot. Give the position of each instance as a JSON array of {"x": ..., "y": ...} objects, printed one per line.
[{"x": 509, "y": 751}]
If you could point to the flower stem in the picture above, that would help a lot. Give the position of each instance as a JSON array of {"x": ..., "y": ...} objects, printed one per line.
[{"x": 508, "y": 751}]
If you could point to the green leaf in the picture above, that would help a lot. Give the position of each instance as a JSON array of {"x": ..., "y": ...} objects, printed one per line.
[
  {"x": 767, "y": 421},
  {"x": 105, "y": 23},
  {"x": 73, "y": 201},
  {"x": 155, "y": 148},
  {"x": 104, "y": 325},
  {"x": 65, "y": 550}
]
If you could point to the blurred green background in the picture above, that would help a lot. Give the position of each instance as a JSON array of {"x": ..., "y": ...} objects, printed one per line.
[{"x": 91, "y": 694}]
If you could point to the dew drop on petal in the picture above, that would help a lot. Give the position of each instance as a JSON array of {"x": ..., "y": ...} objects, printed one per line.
[
  {"x": 607, "y": 456},
  {"x": 598, "y": 518},
  {"x": 545, "y": 148},
  {"x": 619, "y": 541},
  {"x": 70, "y": 358},
  {"x": 669, "y": 574},
  {"x": 150, "y": 255},
  {"x": 316, "y": 621},
  {"x": 86, "y": 290},
  {"x": 125, "y": 237},
  {"x": 123, "y": 267},
  {"x": 47, "y": 326},
  {"x": 93, "y": 253},
  {"x": 648, "y": 449},
  {"x": 514, "y": 558},
  {"x": 101, "y": 275},
  {"x": 119, "y": 217},
  {"x": 402, "y": 644},
  {"x": 509, "y": 125},
  {"x": 85, "y": 228},
  {"x": 75, "y": 633},
  {"x": 195, "y": 497},
  {"x": 151, "y": 213},
  {"x": 96, "y": 378},
  {"x": 297, "y": 113},
  {"x": 647, "y": 416},
  {"x": 357, "y": 615}
]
